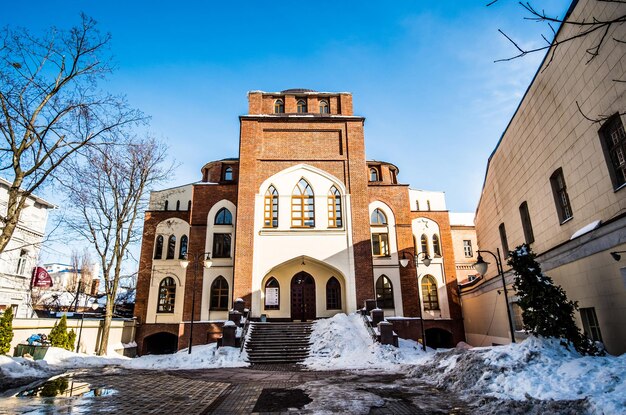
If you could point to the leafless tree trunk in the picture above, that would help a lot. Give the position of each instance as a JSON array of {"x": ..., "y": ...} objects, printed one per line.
[
  {"x": 107, "y": 193},
  {"x": 50, "y": 107}
]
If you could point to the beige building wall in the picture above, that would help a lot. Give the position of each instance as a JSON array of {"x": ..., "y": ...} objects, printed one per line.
[
  {"x": 462, "y": 229},
  {"x": 549, "y": 132}
]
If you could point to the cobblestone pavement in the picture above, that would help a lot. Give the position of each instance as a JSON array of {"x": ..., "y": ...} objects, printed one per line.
[{"x": 228, "y": 391}]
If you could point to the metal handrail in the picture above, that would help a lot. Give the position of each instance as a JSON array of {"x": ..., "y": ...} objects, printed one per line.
[
  {"x": 244, "y": 333},
  {"x": 369, "y": 327}
]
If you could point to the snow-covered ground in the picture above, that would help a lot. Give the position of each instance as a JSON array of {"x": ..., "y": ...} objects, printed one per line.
[{"x": 535, "y": 369}]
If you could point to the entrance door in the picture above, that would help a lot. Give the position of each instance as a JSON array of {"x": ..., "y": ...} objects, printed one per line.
[{"x": 302, "y": 297}]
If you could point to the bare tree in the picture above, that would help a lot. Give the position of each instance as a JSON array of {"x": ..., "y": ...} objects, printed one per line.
[
  {"x": 51, "y": 107},
  {"x": 108, "y": 192}
]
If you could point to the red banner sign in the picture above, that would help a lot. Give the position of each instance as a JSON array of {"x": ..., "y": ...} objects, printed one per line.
[{"x": 41, "y": 278}]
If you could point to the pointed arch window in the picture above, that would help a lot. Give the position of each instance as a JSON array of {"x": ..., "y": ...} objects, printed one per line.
[
  {"x": 436, "y": 245},
  {"x": 324, "y": 107},
  {"x": 424, "y": 242},
  {"x": 227, "y": 176},
  {"x": 301, "y": 105},
  {"x": 158, "y": 247},
  {"x": 272, "y": 294},
  {"x": 167, "y": 295},
  {"x": 378, "y": 217},
  {"x": 302, "y": 206},
  {"x": 223, "y": 217},
  {"x": 384, "y": 292},
  {"x": 333, "y": 294},
  {"x": 429, "y": 293},
  {"x": 219, "y": 294},
  {"x": 171, "y": 247},
  {"x": 177, "y": 205},
  {"x": 270, "y": 208},
  {"x": 189, "y": 205},
  {"x": 182, "y": 252},
  {"x": 335, "y": 219},
  {"x": 166, "y": 205},
  {"x": 279, "y": 106},
  {"x": 373, "y": 174}
]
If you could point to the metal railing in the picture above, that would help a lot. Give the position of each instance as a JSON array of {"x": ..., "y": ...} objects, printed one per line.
[
  {"x": 369, "y": 327},
  {"x": 244, "y": 333}
]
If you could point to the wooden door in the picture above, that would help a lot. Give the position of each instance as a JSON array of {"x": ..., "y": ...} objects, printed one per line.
[{"x": 303, "y": 297}]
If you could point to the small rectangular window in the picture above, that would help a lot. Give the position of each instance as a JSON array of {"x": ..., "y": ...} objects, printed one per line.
[
  {"x": 503, "y": 240},
  {"x": 221, "y": 245},
  {"x": 516, "y": 312},
  {"x": 467, "y": 248},
  {"x": 561, "y": 198},
  {"x": 380, "y": 244},
  {"x": 526, "y": 224},
  {"x": 590, "y": 323},
  {"x": 613, "y": 139}
]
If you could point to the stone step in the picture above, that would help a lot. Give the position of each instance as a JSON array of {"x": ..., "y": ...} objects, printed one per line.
[{"x": 278, "y": 342}]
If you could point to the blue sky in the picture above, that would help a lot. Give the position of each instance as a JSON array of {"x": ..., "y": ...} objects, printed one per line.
[{"x": 421, "y": 72}]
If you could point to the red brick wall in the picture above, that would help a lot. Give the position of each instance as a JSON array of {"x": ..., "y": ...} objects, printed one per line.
[{"x": 263, "y": 103}]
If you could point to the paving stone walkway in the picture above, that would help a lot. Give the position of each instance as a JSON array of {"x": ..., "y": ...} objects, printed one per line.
[{"x": 222, "y": 391}]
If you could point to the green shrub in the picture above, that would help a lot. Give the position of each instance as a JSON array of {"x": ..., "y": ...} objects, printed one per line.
[
  {"x": 6, "y": 331},
  {"x": 59, "y": 337}
]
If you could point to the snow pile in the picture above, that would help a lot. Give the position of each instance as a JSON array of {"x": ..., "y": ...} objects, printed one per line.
[
  {"x": 206, "y": 356},
  {"x": 17, "y": 367},
  {"x": 586, "y": 229},
  {"x": 536, "y": 368},
  {"x": 343, "y": 342}
]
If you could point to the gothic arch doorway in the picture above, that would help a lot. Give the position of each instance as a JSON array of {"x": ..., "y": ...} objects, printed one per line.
[{"x": 303, "y": 297}]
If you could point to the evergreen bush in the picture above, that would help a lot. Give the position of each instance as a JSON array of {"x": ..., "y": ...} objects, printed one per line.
[
  {"x": 546, "y": 311},
  {"x": 6, "y": 330},
  {"x": 59, "y": 337}
]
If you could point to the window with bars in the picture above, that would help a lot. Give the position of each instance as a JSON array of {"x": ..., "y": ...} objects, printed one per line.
[
  {"x": 467, "y": 248},
  {"x": 561, "y": 198},
  {"x": 380, "y": 244},
  {"x": 219, "y": 294},
  {"x": 270, "y": 208},
  {"x": 527, "y": 226},
  {"x": 614, "y": 145},
  {"x": 430, "y": 300},
  {"x": 221, "y": 245},
  {"x": 302, "y": 206},
  {"x": 591, "y": 326},
  {"x": 167, "y": 295},
  {"x": 384, "y": 292},
  {"x": 334, "y": 208},
  {"x": 333, "y": 294}
]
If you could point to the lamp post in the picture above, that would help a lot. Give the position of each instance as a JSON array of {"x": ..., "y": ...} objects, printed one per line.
[
  {"x": 184, "y": 263},
  {"x": 94, "y": 307},
  {"x": 481, "y": 266},
  {"x": 426, "y": 261}
]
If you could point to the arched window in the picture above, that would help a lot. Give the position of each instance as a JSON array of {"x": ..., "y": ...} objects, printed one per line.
[
  {"x": 223, "y": 217},
  {"x": 425, "y": 245},
  {"x": 279, "y": 106},
  {"x": 324, "y": 108},
  {"x": 270, "y": 208},
  {"x": 394, "y": 176},
  {"x": 158, "y": 247},
  {"x": 334, "y": 208},
  {"x": 167, "y": 295},
  {"x": 302, "y": 206},
  {"x": 428, "y": 204},
  {"x": 177, "y": 205},
  {"x": 384, "y": 292},
  {"x": 171, "y": 247},
  {"x": 182, "y": 252},
  {"x": 301, "y": 106},
  {"x": 219, "y": 294},
  {"x": 436, "y": 245},
  {"x": 189, "y": 205},
  {"x": 333, "y": 294},
  {"x": 378, "y": 217},
  {"x": 228, "y": 174},
  {"x": 373, "y": 174},
  {"x": 429, "y": 293},
  {"x": 165, "y": 205},
  {"x": 272, "y": 294}
]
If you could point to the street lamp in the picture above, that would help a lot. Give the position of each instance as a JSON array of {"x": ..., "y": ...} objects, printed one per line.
[
  {"x": 481, "y": 266},
  {"x": 426, "y": 261},
  {"x": 196, "y": 259}
]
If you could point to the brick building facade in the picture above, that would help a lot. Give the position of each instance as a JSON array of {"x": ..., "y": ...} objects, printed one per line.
[{"x": 301, "y": 226}]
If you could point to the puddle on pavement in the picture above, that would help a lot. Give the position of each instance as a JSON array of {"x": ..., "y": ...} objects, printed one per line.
[
  {"x": 64, "y": 387},
  {"x": 280, "y": 400}
]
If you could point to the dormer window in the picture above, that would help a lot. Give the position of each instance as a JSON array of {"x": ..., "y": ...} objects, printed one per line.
[
  {"x": 324, "y": 107},
  {"x": 279, "y": 106},
  {"x": 373, "y": 174},
  {"x": 228, "y": 174},
  {"x": 301, "y": 106}
]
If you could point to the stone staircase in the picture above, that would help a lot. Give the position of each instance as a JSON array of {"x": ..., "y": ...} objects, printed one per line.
[{"x": 278, "y": 343}]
